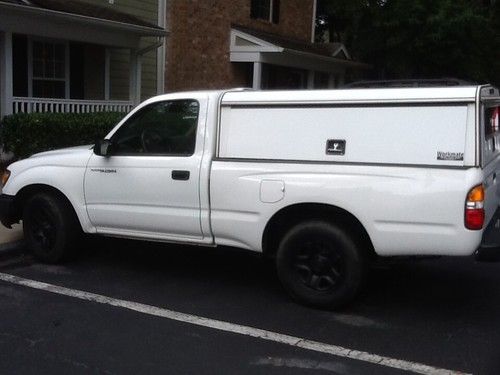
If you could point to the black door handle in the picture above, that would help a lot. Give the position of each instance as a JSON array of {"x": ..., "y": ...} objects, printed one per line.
[{"x": 180, "y": 175}]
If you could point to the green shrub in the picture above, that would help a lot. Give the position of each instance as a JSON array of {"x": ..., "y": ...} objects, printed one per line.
[{"x": 26, "y": 134}]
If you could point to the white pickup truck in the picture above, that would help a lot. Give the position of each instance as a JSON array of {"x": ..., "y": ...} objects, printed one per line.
[{"x": 323, "y": 181}]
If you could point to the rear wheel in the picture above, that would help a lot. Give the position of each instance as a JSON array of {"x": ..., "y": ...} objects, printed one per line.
[
  {"x": 51, "y": 228},
  {"x": 320, "y": 265}
]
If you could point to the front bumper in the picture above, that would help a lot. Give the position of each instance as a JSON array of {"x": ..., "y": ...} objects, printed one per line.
[
  {"x": 7, "y": 210},
  {"x": 489, "y": 250}
]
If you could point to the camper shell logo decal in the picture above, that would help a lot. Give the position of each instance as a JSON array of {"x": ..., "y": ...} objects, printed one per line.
[
  {"x": 335, "y": 147},
  {"x": 455, "y": 156}
]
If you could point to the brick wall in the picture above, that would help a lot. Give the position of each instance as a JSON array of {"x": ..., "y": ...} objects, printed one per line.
[{"x": 198, "y": 44}]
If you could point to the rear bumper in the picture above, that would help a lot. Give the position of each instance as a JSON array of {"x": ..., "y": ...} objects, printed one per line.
[
  {"x": 489, "y": 250},
  {"x": 7, "y": 211}
]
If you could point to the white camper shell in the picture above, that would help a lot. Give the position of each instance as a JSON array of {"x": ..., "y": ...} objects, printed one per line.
[
  {"x": 426, "y": 127},
  {"x": 322, "y": 180}
]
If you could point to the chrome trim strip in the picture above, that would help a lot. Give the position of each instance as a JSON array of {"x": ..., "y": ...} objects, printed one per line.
[
  {"x": 388, "y": 102},
  {"x": 321, "y": 162}
]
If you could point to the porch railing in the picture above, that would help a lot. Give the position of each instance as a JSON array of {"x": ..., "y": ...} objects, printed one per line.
[{"x": 30, "y": 105}]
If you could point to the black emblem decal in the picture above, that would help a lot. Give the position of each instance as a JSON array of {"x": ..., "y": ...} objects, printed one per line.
[
  {"x": 102, "y": 170},
  {"x": 335, "y": 147},
  {"x": 455, "y": 156}
]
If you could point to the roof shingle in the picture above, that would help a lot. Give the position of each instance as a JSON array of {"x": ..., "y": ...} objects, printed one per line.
[{"x": 84, "y": 9}]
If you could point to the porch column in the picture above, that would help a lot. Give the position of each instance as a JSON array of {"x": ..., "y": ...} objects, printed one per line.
[
  {"x": 341, "y": 79},
  {"x": 107, "y": 74},
  {"x": 6, "y": 84},
  {"x": 257, "y": 76},
  {"x": 135, "y": 77},
  {"x": 310, "y": 79},
  {"x": 331, "y": 81}
]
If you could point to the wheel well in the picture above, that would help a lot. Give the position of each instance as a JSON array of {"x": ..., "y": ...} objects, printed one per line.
[
  {"x": 28, "y": 191},
  {"x": 290, "y": 216}
]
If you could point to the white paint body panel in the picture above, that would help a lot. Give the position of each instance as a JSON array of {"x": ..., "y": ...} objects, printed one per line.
[
  {"x": 139, "y": 198},
  {"x": 405, "y": 210},
  {"x": 62, "y": 169},
  {"x": 406, "y": 135},
  {"x": 409, "y": 202}
]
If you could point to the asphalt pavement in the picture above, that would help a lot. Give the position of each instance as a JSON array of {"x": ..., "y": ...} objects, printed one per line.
[{"x": 442, "y": 313}]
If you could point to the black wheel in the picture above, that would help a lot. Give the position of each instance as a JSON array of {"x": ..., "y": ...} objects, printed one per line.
[
  {"x": 320, "y": 265},
  {"x": 50, "y": 227}
]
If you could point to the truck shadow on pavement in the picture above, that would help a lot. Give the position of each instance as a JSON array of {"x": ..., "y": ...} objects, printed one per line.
[
  {"x": 445, "y": 309},
  {"x": 449, "y": 285}
]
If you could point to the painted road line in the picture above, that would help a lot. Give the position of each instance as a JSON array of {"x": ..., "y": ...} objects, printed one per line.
[{"x": 298, "y": 342}]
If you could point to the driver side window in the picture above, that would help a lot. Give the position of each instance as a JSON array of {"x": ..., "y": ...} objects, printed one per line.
[{"x": 163, "y": 128}]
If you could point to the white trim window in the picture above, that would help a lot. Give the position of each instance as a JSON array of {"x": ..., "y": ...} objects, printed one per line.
[
  {"x": 267, "y": 10},
  {"x": 48, "y": 65}
]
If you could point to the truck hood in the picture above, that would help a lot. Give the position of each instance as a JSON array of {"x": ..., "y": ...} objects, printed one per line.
[
  {"x": 76, "y": 157},
  {"x": 70, "y": 151}
]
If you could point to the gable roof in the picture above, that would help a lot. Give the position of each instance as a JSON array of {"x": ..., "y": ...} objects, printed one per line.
[
  {"x": 246, "y": 42},
  {"x": 83, "y": 9},
  {"x": 323, "y": 49}
]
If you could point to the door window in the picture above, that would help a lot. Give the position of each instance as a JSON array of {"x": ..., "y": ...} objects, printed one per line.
[{"x": 163, "y": 128}]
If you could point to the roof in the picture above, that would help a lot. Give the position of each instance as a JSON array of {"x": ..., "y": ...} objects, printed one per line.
[
  {"x": 354, "y": 96},
  {"x": 324, "y": 49},
  {"x": 83, "y": 9}
]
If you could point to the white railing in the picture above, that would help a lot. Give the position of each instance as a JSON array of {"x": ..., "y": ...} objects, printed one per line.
[{"x": 30, "y": 105}]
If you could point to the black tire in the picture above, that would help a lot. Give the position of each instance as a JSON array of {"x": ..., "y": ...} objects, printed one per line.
[
  {"x": 51, "y": 228},
  {"x": 321, "y": 265}
]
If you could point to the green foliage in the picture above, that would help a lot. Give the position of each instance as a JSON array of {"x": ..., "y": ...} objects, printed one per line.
[
  {"x": 26, "y": 134},
  {"x": 419, "y": 38}
]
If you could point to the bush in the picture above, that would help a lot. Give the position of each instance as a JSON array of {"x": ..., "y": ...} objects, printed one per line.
[{"x": 26, "y": 134}]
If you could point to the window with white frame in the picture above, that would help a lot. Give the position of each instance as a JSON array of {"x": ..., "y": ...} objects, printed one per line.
[
  {"x": 48, "y": 69},
  {"x": 268, "y": 10}
]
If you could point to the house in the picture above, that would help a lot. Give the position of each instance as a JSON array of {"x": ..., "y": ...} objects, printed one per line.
[
  {"x": 108, "y": 55},
  {"x": 80, "y": 56},
  {"x": 266, "y": 44}
]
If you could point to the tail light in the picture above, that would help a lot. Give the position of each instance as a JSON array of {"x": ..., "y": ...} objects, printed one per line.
[
  {"x": 495, "y": 119},
  {"x": 474, "y": 208}
]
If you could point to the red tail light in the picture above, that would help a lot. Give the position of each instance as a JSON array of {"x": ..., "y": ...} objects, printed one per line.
[
  {"x": 495, "y": 119},
  {"x": 474, "y": 208}
]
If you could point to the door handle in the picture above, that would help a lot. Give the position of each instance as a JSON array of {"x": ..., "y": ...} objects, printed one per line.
[{"x": 180, "y": 175}]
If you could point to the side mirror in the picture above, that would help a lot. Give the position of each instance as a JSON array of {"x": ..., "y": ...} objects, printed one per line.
[{"x": 103, "y": 147}]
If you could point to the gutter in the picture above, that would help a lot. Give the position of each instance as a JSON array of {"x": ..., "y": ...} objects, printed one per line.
[
  {"x": 142, "y": 30},
  {"x": 347, "y": 63},
  {"x": 151, "y": 47}
]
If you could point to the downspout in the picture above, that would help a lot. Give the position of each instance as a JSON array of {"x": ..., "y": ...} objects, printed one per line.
[
  {"x": 161, "y": 54},
  {"x": 313, "y": 26},
  {"x": 136, "y": 74},
  {"x": 151, "y": 47}
]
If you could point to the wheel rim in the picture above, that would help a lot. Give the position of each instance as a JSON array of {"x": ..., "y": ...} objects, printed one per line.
[
  {"x": 42, "y": 227},
  {"x": 319, "y": 266}
]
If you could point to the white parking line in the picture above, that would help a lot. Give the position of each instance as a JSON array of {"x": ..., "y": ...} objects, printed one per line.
[{"x": 298, "y": 342}]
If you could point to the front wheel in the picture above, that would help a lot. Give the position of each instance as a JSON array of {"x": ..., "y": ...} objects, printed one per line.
[
  {"x": 320, "y": 265},
  {"x": 50, "y": 226}
]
